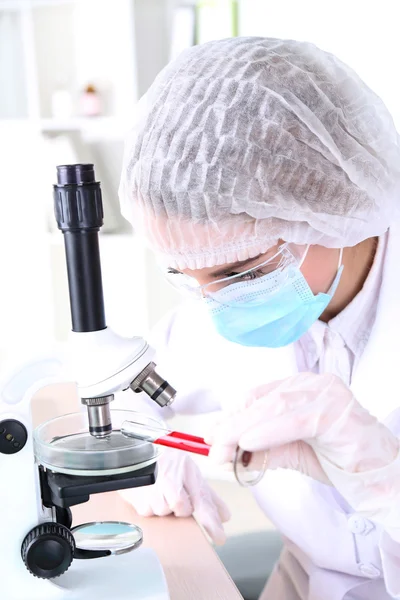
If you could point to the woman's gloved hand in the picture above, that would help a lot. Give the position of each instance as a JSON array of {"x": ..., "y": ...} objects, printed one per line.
[
  {"x": 313, "y": 424},
  {"x": 181, "y": 490}
]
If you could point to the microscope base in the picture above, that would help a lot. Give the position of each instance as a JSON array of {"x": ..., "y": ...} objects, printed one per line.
[{"x": 137, "y": 575}]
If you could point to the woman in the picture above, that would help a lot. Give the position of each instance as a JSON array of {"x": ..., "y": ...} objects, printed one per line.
[{"x": 266, "y": 176}]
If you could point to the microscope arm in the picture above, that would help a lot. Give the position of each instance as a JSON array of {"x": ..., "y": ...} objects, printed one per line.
[{"x": 103, "y": 362}]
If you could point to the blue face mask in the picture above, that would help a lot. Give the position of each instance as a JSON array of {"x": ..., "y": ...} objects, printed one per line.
[{"x": 271, "y": 311}]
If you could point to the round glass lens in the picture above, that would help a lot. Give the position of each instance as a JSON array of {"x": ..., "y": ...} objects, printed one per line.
[
  {"x": 249, "y": 467},
  {"x": 112, "y": 536}
]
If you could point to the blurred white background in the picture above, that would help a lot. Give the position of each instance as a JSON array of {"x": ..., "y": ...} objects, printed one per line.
[{"x": 70, "y": 74}]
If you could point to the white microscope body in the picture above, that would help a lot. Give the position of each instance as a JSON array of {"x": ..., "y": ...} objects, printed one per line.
[
  {"x": 108, "y": 364},
  {"x": 102, "y": 363}
]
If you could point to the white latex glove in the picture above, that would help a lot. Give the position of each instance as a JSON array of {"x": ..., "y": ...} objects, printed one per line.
[
  {"x": 313, "y": 424},
  {"x": 180, "y": 489}
]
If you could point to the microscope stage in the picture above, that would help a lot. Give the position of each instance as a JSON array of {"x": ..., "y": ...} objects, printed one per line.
[{"x": 64, "y": 445}]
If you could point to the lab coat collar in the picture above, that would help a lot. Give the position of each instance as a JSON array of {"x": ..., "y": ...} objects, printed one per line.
[{"x": 376, "y": 378}]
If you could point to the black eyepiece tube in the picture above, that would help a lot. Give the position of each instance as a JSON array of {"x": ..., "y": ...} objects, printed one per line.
[
  {"x": 78, "y": 210},
  {"x": 78, "y": 174}
]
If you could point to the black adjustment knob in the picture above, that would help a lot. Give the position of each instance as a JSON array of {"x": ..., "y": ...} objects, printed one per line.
[
  {"x": 48, "y": 550},
  {"x": 13, "y": 436}
]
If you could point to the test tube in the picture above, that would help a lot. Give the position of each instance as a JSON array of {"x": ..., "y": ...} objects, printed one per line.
[
  {"x": 165, "y": 437},
  {"x": 248, "y": 467}
]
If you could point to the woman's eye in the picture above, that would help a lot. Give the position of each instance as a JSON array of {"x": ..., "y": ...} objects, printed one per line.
[{"x": 250, "y": 275}]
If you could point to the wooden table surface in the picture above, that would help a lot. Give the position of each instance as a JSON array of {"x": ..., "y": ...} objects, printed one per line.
[{"x": 192, "y": 568}]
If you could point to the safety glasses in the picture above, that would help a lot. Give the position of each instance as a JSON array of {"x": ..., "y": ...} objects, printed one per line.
[{"x": 287, "y": 255}]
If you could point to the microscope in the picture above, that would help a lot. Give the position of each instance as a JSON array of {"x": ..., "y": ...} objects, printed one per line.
[{"x": 64, "y": 461}]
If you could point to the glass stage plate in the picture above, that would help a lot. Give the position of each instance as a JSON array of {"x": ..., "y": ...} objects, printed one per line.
[{"x": 64, "y": 445}]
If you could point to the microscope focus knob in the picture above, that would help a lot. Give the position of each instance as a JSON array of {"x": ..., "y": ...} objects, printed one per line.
[{"x": 48, "y": 550}]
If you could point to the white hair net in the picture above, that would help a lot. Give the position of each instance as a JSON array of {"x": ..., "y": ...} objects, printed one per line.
[{"x": 245, "y": 141}]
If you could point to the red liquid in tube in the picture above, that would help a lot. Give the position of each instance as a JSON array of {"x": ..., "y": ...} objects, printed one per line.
[{"x": 184, "y": 441}]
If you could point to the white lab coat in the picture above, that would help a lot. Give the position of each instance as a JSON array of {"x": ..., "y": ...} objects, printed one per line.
[{"x": 330, "y": 552}]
